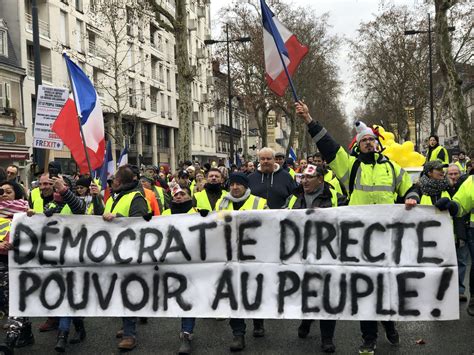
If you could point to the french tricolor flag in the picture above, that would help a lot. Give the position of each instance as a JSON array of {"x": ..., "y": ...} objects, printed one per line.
[
  {"x": 86, "y": 105},
  {"x": 280, "y": 46}
]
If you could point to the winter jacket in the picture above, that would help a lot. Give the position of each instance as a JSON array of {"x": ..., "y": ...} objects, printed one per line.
[{"x": 274, "y": 187}]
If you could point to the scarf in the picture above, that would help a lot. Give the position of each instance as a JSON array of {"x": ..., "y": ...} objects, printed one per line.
[
  {"x": 432, "y": 187},
  {"x": 213, "y": 188},
  {"x": 9, "y": 208},
  {"x": 229, "y": 198},
  {"x": 183, "y": 207}
]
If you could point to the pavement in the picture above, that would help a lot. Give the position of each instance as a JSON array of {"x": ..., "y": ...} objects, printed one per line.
[{"x": 211, "y": 336}]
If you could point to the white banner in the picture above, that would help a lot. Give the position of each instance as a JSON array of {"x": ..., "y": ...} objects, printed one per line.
[
  {"x": 50, "y": 102},
  {"x": 363, "y": 262}
]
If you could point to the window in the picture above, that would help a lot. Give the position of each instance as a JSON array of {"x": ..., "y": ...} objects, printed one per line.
[
  {"x": 162, "y": 137},
  {"x": 143, "y": 96},
  {"x": 131, "y": 59},
  {"x": 79, "y": 5},
  {"x": 132, "y": 99},
  {"x": 79, "y": 35},
  {"x": 3, "y": 42},
  {"x": 146, "y": 134},
  {"x": 5, "y": 95},
  {"x": 63, "y": 33}
]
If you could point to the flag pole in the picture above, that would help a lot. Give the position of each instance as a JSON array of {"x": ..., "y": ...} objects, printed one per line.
[
  {"x": 293, "y": 91},
  {"x": 79, "y": 117}
]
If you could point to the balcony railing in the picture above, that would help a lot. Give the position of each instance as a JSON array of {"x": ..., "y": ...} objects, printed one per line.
[
  {"x": 96, "y": 51},
  {"x": 46, "y": 72},
  {"x": 42, "y": 25},
  {"x": 154, "y": 104}
]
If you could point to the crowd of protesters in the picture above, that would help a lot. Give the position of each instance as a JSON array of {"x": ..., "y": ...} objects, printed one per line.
[{"x": 331, "y": 177}]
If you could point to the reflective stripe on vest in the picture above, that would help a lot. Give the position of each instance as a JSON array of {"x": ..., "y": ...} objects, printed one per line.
[
  {"x": 333, "y": 200},
  {"x": 426, "y": 200},
  {"x": 122, "y": 207},
  {"x": 252, "y": 203},
  {"x": 379, "y": 188},
  {"x": 4, "y": 227}
]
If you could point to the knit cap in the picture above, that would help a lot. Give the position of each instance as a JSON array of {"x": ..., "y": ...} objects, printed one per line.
[{"x": 362, "y": 130}]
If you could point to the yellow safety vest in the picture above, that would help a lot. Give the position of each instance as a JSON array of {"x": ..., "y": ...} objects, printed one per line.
[
  {"x": 37, "y": 200},
  {"x": 4, "y": 227},
  {"x": 465, "y": 199},
  {"x": 462, "y": 168},
  {"x": 203, "y": 202},
  {"x": 64, "y": 210},
  {"x": 331, "y": 178},
  {"x": 426, "y": 200},
  {"x": 333, "y": 200},
  {"x": 292, "y": 173},
  {"x": 435, "y": 153},
  {"x": 252, "y": 203},
  {"x": 378, "y": 183},
  {"x": 122, "y": 207},
  {"x": 159, "y": 191},
  {"x": 168, "y": 211}
]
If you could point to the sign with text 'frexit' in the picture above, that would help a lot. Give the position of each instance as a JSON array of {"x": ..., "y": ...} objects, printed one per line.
[{"x": 360, "y": 262}]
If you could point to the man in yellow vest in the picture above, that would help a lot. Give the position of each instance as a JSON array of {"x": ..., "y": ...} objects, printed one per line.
[
  {"x": 329, "y": 175},
  {"x": 369, "y": 178},
  {"x": 315, "y": 193},
  {"x": 213, "y": 191},
  {"x": 460, "y": 160},
  {"x": 280, "y": 160},
  {"x": 42, "y": 195},
  {"x": 463, "y": 204},
  {"x": 127, "y": 201},
  {"x": 240, "y": 198}
]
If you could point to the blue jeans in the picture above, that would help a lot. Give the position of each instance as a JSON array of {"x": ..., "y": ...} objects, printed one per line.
[
  {"x": 462, "y": 253},
  {"x": 470, "y": 245},
  {"x": 238, "y": 326},
  {"x": 187, "y": 325},
  {"x": 64, "y": 324},
  {"x": 129, "y": 326}
]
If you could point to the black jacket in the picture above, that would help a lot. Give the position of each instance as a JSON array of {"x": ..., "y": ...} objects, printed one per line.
[
  {"x": 321, "y": 201},
  {"x": 274, "y": 187}
]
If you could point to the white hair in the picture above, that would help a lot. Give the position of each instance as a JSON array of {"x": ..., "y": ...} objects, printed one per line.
[
  {"x": 267, "y": 150},
  {"x": 457, "y": 167}
]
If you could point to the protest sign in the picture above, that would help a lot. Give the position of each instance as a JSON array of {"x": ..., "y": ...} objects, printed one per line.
[
  {"x": 50, "y": 102},
  {"x": 359, "y": 262}
]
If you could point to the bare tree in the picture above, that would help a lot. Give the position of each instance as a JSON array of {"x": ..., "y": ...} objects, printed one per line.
[
  {"x": 449, "y": 75},
  {"x": 111, "y": 53},
  {"x": 177, "y": 25}
]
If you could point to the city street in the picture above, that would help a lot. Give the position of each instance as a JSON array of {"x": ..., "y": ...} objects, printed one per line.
[{"x": 160, "y": 336}]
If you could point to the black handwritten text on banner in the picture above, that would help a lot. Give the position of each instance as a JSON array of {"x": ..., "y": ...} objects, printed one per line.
[{"x": 358, "y": 262}]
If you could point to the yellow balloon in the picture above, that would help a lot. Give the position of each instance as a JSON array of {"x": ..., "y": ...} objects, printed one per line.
[
  {"x": 389, "y": 142},
  {"x": 389, "y": 135},
  {"x": 408, "y": 147}
]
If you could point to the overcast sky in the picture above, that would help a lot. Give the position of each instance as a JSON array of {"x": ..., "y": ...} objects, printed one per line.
[{"x": 344, "y": 17}]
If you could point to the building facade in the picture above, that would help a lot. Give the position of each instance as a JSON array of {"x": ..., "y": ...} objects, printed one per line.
[
  {"x": 131, "y": 61},
  {"x": 13, "y": 147}
]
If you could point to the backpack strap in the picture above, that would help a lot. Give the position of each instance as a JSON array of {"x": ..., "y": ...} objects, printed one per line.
[{"x": 352, "y": 177}]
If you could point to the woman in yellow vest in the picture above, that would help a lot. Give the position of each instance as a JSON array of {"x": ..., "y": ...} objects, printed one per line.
[
  {"x": 433, "y": 183},
  {"x": 436, "y": 151},
  {"x": 11, "y": 201}
]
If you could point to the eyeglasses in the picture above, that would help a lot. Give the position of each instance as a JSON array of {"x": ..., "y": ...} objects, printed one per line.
[
  {"x": 309, "y": 176},
  {"x": 369, "y": 139}
]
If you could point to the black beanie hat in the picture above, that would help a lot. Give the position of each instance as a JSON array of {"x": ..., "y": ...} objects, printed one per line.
[
  {"x": 239, "y": 178},
  {"x": 84, "y": 181}
]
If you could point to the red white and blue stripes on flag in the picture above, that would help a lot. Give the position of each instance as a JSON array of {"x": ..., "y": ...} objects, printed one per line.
[
  {"x": 86, "y": 105},
  {"x": 283, "y": 53}
]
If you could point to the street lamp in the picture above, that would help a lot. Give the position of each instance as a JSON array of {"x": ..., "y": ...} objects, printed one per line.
[
  {"x": 229, "y": 83},
  {"x": 414, "y": 32}
]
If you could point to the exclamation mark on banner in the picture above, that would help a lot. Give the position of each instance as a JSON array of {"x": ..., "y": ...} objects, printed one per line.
[{"x": 443, "y": 286}]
